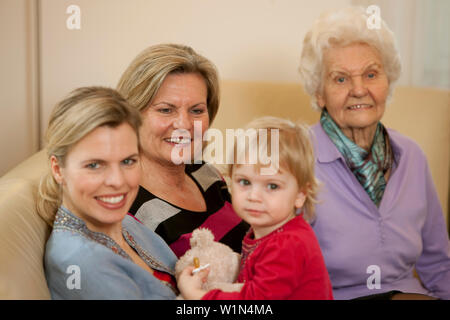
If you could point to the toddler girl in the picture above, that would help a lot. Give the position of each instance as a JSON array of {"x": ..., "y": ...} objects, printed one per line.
[{"x": 281, "y": 257}]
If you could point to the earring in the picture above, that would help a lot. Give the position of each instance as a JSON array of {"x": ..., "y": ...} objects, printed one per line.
[{"x": 298, "y": 211}]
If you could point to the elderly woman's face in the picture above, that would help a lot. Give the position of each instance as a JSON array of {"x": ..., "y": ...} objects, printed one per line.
[
  {"x": 355, "y": 86},
  {"x": 177, "y": 114}
]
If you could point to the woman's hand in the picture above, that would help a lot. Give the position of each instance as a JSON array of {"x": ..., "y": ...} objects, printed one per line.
[{"x": 190, "y": 285}]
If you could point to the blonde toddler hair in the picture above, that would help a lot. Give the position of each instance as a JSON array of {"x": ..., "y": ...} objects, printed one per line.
[{"x": 296, "y": 155}]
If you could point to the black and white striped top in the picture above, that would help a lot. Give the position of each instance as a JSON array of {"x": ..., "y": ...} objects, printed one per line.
[{"x": 175, "y": 224}]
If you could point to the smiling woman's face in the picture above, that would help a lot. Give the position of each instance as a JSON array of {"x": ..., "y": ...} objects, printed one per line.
[
  {"x": 180, "y": 102},
  {"x": 100, "y": 176},
  {"x": 355, "y": 86}
]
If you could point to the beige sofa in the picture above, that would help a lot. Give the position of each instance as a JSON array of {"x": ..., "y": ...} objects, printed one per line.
[{"x": 422, "y": 114}]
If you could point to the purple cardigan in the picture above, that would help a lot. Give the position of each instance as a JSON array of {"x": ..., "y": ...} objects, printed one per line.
[{"x": 371, "y": 250}]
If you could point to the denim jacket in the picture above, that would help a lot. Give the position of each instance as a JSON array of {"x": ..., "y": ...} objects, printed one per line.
[{"x": 82, "y": 264}]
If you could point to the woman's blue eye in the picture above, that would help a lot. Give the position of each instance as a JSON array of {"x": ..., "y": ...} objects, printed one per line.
[
  {"x": 198, "y": 111},
  {"x": 371, "y": 75},
  {"x": 272, "y": 186},
  {"x": 341, "y": 79},
  {"x": 164, "y": 110},
  {"x": 129, "y": 162},
  {"x": 93, "y": 165}
]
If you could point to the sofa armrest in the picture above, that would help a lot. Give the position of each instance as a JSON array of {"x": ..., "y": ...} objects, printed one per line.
[{"x": 23, "y": 234}]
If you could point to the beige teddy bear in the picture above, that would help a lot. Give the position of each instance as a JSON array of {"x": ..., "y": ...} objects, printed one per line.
[{"x": 223, "y": 262}]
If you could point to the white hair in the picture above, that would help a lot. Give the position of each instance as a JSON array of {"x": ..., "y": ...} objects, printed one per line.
[{"x": 341, "y": 28}]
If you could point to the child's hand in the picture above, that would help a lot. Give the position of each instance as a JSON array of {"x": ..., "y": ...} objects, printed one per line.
[{"x": 190, "y": 285}]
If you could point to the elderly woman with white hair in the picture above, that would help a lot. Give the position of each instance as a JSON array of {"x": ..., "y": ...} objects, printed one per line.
[{"x": 378, "y": 214}]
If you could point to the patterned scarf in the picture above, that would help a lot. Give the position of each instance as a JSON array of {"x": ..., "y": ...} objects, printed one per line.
[{"x": 368, "y": 167}]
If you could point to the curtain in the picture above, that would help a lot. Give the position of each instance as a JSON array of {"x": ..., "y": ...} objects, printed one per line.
[{"x": 422, "y": 30}]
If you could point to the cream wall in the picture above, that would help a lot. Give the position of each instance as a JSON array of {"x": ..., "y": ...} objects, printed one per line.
[
  {"x": 247, "y": 40},
  {"x": 41, "y": 60},
  {"x": 18, "y": 85}
]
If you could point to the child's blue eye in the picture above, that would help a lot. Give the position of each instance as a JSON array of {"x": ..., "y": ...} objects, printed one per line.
[
  {"x": 272, "y": 186},
  {"x": 244, "y": 182}
]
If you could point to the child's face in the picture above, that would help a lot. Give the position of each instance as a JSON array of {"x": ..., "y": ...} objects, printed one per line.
[{"x": 266, "y": 202}]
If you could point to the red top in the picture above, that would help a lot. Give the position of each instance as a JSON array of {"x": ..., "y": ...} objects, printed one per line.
[
  {"x": 285, "y": 264},
  {"x": 166, "y": 278}
]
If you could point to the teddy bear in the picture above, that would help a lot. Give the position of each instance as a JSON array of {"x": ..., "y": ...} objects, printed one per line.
[{"x": 223, "y": 261}]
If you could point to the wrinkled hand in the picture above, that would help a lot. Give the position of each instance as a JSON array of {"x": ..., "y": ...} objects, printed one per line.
[{"x": 190, "y": 285}]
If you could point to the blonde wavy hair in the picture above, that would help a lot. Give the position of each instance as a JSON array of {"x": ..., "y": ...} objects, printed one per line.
[
  {"x": 296, "y": 155},
  {"x": 142, "y": 79},
  {"x": 341, "y": 28},
  {"x": 82, "y": 111}
]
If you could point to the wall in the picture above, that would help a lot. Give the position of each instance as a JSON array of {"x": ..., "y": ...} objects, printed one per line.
[
  {"x": 18, "y": 82},
  {"x": 247, "y": 40},
  {"x": 41, "y": 60}
]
